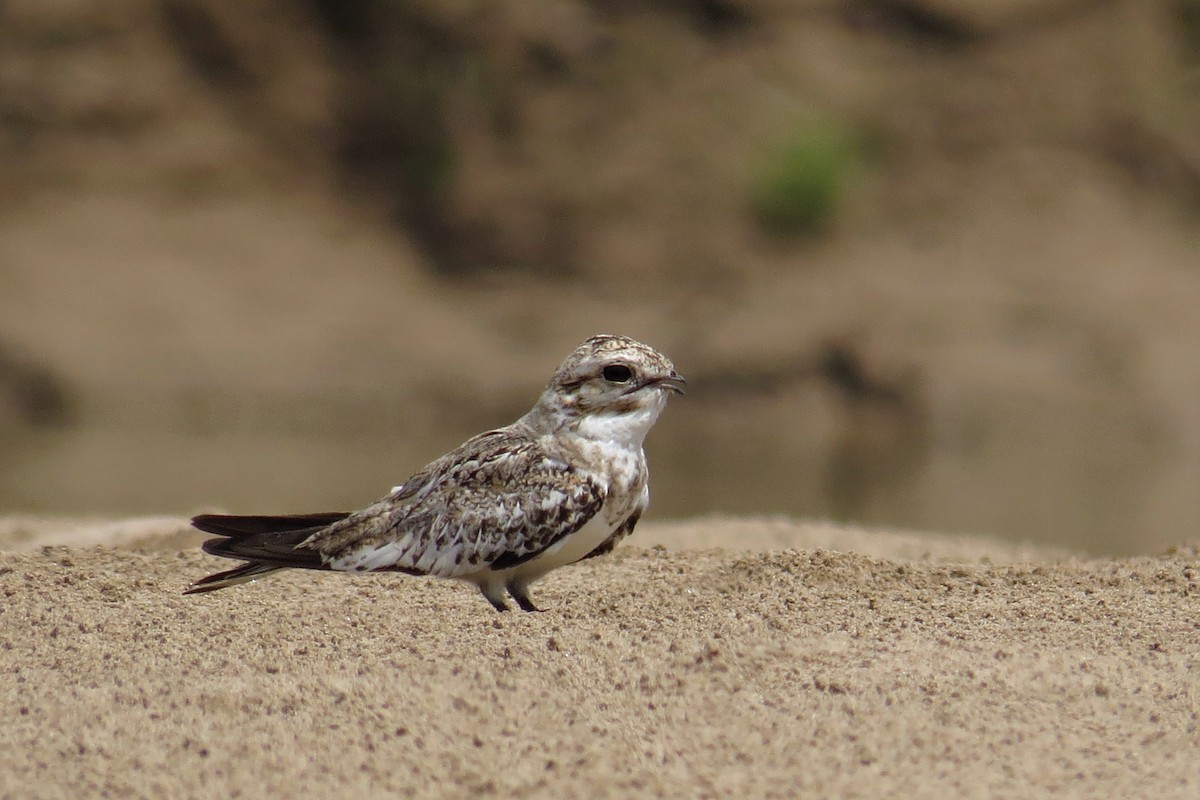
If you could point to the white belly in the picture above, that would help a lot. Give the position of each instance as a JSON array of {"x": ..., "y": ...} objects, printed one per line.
[{"x": 567, "y": 550}]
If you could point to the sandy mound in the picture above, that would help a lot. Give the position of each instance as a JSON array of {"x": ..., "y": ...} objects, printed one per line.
[{"x": 656, "y": 672}]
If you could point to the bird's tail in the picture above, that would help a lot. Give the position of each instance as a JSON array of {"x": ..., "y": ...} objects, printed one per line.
[
  {"x": 267, "y": 544},
  {"x": 247, "y": 572}
]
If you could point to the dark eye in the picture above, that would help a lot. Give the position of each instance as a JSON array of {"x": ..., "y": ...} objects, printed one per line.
[{"x": 617, "y": 373}]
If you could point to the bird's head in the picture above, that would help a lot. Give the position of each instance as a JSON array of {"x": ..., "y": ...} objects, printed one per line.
[{"x": 609, "y": 387}]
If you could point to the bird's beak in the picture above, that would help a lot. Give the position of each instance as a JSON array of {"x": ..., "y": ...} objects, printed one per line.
[{"x": 675, "y": 382}]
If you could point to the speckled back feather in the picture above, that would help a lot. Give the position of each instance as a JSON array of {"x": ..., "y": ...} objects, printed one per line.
[{"x": 497, "y": 500}]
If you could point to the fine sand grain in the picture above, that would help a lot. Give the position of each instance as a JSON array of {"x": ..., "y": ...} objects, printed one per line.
[{"x": 893, "y": 665}]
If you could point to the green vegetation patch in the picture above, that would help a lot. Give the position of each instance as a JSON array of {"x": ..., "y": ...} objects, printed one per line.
[{"x": 800, "y": 184}]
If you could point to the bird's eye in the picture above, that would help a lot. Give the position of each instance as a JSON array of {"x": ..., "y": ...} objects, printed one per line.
[{"x": 617, "y": 373}]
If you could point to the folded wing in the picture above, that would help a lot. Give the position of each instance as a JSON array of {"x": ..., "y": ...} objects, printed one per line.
[{"x": 495, "y": 502}]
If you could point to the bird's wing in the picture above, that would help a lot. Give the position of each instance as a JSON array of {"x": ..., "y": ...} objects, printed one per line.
[{"x": 498, "y": 500}]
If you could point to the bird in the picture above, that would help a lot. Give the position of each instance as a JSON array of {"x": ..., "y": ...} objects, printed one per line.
[{"x": 565, "y": 482}]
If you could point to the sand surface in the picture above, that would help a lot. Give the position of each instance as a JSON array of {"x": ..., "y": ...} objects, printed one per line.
[{"x": 715, "y": 657}]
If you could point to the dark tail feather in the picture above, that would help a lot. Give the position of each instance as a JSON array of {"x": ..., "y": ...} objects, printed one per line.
[
  {"x": 268, "y": 544},
  {"x": 232, "y": 577},
  {"x": 238, "y": 526}
]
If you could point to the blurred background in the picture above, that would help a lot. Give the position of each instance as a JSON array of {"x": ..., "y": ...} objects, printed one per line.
[{"x": 931, "y": 264}]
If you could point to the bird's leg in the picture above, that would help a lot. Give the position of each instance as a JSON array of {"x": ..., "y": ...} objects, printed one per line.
[
  {"x": 520, "y": 593},
  {"x": 494, "y": 596}
]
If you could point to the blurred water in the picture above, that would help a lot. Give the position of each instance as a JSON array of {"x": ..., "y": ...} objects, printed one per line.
[{"x": 704, "y": 460}]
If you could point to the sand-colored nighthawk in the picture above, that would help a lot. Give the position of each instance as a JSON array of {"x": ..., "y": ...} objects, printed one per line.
[{"x": 565, "y": 482}]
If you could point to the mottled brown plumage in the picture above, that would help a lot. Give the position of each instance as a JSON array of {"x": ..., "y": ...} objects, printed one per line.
[{"x": 565, "y": 482}]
